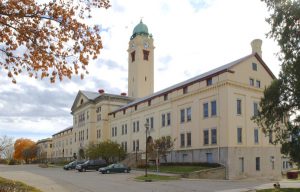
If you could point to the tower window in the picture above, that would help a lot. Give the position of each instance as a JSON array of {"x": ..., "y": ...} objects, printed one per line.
[
  {"x": 133, "y": 56},
  {"x": 146, "y": 55}
]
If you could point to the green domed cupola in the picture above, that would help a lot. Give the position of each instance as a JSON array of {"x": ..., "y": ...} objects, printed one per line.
[{"x": 140, "y": 29}]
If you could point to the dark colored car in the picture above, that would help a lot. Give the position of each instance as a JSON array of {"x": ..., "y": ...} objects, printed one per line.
[
  {"x": 115, "y": 168},
  {"x": 72, "y": 165},
  {"x": 91, "y": 165}
]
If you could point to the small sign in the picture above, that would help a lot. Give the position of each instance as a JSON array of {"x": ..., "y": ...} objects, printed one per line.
[{"x": 143, "y": 156}]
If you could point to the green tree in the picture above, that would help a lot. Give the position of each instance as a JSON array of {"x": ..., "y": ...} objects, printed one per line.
[
  {"x": 281, "y": 101},
  {"x": 108, "y": 150}
]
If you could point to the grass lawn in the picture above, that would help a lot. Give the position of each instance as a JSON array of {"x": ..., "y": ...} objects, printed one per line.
[
  {"x": 280, "y": 190},
  {"x": 7, "y": 185},
  {"x": 154, "y": 177},
  {"x": 178, "y": 169}
]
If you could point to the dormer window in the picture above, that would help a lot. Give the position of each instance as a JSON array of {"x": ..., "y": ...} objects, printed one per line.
[
  {"x": 165, "y": 97},
  {"x": 149, "y": 102},
  {"x": 185, "y": 90},
  {"x": 81, "y": 101},
  {"x": 209, "y": 81},
  {"x": 146, "y": 55},
  {"x": 133, "y": 56}
]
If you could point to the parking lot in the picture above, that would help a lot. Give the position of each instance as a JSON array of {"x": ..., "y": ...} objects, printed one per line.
[{"x": 57, "y": 179}]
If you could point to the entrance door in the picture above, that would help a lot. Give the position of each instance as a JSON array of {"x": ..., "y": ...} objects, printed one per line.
[{"x": 209, "y": 157}]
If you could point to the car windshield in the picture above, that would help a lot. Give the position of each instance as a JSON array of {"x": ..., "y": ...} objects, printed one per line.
[{"x": 111, "y": 166}]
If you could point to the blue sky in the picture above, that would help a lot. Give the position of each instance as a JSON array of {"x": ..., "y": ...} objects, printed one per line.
[{"x": 190, "y": 36}]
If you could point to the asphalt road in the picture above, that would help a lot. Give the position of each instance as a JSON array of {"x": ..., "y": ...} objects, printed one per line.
[{"x": 57, "y": 179}]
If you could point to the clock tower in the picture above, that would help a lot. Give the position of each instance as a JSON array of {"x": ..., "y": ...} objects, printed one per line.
[{"x": 140, "y": 62}]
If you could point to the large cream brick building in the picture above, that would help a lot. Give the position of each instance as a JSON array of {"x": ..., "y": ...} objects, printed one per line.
[{"x": 209, "y": 115}]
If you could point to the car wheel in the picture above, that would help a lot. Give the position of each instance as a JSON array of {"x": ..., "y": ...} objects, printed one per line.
[
  {"x": 107, "y": 171},
  {"x": 83, "y": 170},
  {"x": 125, "y": 171}
]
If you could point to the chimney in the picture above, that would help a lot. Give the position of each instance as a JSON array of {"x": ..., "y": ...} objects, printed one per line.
[
  {"x": 101, "y": 91},
  {"x": 123, "y": 94},
  {"x": 256, "y": 46}
]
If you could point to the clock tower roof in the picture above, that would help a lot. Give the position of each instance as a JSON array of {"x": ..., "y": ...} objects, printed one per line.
[{"x": 140, "y": 29}]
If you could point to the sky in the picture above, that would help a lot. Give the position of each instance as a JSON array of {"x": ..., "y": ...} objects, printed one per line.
[{"x": 190, "y": 38}]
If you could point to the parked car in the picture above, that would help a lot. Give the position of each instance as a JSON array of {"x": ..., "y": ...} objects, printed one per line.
[
  {"x": 72, "y": 165},
  {"x": 91, "y": 165},
  {"x": 115, "y": 168}
]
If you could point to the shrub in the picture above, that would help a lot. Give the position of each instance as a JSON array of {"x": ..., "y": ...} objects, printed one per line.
[
  {"x": 3, "y": 161},
  {"x": 13, "y": 162}
]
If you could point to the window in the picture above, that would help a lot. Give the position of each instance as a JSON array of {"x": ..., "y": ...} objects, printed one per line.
[
  {"x": 133, "y": 56},
  {"x": 254, "y": 66},
  {"x": 137, "y": 145},
  {"x": 189, "y": 114},
  {"x": 122, "y": 129},
  {"x": 133, "y": 126},
  {"x": 257, "y": 83},
  {"x": 238, "y": 107},
  {"x": 214, "y": 136},
  {"x": 151, "y": 122},
  {"x": 135, "y": 107},
  {"x": 75, "y": 138},
  {"x": 163, "y": 120},
  {"x": 239, "y": 135},
  {"x": 168, "y": 119},
  {"x": 87, "y": 134},
  {"x": 251, "y": 82},
  {"x": 205, "y": 110},
  {"x": 206, "y": 135},
  {"x": 182, "y": 142},
  {"x": 257, "y": 163},
  {"x": 149, "y": 102},
  {"x": 256, "y": 136},
  {"x": 213, "y": 108},
  {"x": 137, "y": 126},
  {"x": 87, "y": 115},
  {"x": 133, "y": 146},
  {"x": 146, "y": 55},
  {"x": 185, "y": 90},
  {"x": 188, "y": 139},
  {"x": 208, "y": 81},
  {"x": 255, "y": 109},
  {"x": 165, "y": 97},
  {"x": 182, "y": 116}
]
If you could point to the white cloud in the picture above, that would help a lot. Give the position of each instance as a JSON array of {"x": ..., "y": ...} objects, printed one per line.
[{"x": 190, "y": 36}]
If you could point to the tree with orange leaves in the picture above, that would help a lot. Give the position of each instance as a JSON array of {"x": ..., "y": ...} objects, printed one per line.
[
  {"x": 25, "y": 149},
  {"x": 48, "y": 39}
]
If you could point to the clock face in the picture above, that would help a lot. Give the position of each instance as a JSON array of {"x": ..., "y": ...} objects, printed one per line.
[{"x": 146, "y": 44}]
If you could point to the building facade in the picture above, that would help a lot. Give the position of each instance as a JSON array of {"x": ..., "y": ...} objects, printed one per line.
[
  {"x": 44, "y": 150},
  {"x": 209, "y": 115},
  {"x": 62, "y": 145}
]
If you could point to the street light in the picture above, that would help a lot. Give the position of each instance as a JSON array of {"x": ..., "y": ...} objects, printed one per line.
[{"x": 146, "y": 164}]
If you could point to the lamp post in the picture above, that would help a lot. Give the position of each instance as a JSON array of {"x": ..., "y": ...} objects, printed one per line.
[{"x": 146, "y": 164}]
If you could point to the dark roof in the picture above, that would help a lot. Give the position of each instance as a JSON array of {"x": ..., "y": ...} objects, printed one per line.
[
  {"x": 201, "y": 77},
  {"x": 64, "y": 130}
]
